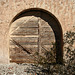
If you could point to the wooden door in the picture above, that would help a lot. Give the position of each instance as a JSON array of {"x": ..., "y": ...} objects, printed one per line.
[{"x": 29, "y": 35}]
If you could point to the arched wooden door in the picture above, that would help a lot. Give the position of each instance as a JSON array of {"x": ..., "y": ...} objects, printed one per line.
[
  {"x": 29, "y": 35},
  {"x": 43, "y": 25}
]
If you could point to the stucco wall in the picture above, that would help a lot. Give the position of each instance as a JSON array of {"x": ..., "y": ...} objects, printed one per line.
[{"x": 64, "y": 10}]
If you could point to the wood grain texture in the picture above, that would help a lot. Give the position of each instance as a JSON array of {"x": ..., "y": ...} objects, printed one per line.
[{"x": 34, "y": 35}]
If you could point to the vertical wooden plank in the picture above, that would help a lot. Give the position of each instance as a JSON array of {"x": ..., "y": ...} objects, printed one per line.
[{"x": 39, "y": 39}]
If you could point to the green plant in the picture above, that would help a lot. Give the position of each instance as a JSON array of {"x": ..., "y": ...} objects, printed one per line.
[
  {"x": 69, "y": 47},
  {"x": 46, "y": 59}
]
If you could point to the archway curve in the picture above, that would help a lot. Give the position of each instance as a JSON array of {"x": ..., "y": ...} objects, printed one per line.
[{"x": 53, "y": 22}]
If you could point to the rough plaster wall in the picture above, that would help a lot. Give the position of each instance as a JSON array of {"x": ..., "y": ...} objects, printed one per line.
[{"x": 64, "y": 10}]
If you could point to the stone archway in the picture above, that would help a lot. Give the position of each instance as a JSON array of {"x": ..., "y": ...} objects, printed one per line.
[{"x": 52, "y": 22}]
